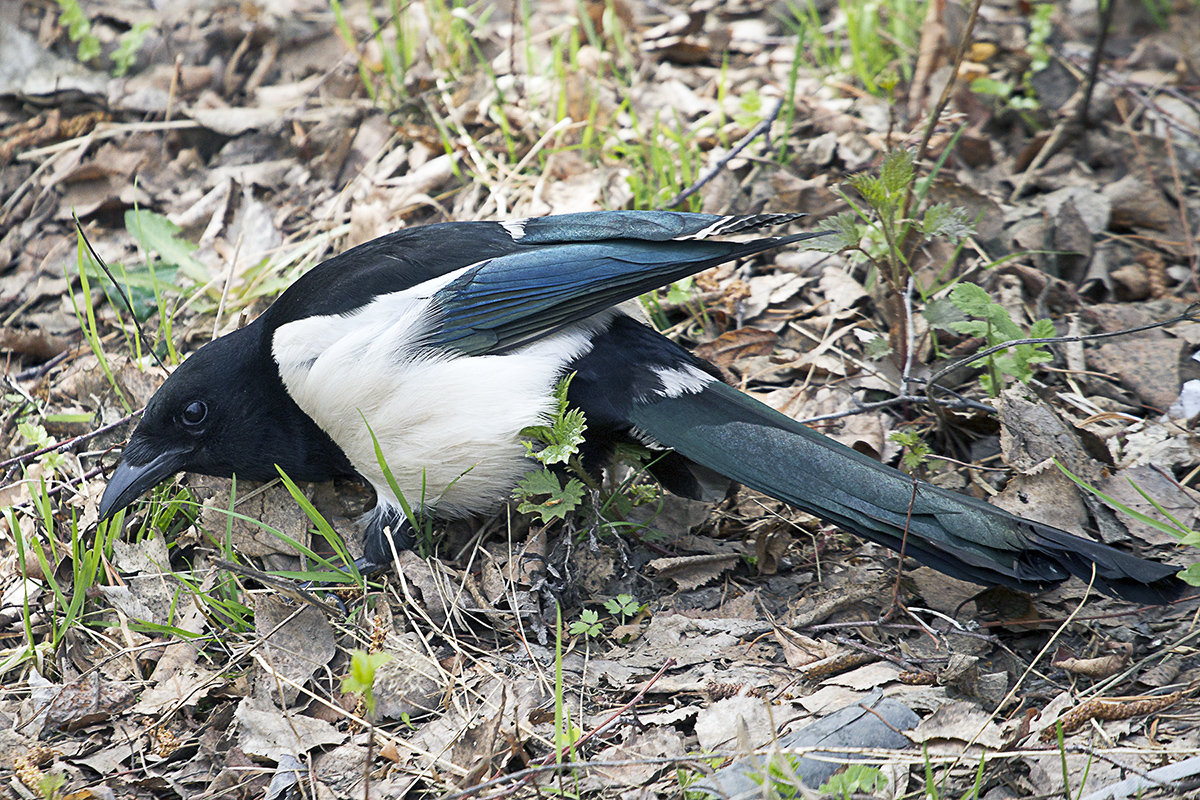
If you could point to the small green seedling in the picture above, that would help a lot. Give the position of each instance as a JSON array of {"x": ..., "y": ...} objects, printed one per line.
[
  {"x": 622, "y": 606},
  {"x": 588, "y": 625}
]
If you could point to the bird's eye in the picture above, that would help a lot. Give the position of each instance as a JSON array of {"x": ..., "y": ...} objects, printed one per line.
[{"x": 195, "y": 413}]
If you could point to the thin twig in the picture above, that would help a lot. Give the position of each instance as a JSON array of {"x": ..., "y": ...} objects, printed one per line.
[
  {"x": 1190, "y": 314},
  {"x": 909, "y": 336},
  {"x": 935, "y": 115},
  {"x": 137, "y": 326},
  {"x": 898, "y": 400},
  {"x": 1105, "y": 8},
  {"x": 712, "y": 172},
  {"x": 68, "y": 443},
  {"x": 41, "y": 369}
]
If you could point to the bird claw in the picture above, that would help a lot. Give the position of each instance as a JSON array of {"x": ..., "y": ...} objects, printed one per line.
[{"x": 388, "y": 533}]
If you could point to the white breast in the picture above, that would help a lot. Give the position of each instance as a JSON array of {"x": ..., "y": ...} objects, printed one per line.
[{"x": 448, "y": 425}]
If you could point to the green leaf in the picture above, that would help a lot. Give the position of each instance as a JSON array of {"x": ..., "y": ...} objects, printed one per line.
[
  {"x": 1042, "y": 329},
  {"x": 587, "y": 625},
  {"x": 876, "y": 348},
  {"x": 952, "y": 222},
  {"x": 848, "y": 233},
  {"x": 943, "y": 313},
  {"x": 971, "y": 299},
  {"x": 79, "y": 29},
  {"x": 872, "y": 189},
  {"x": 680, "y": 292},
  {"x": 158, "y": 234},
  {"x": 89, "y": 48},
  {"x": 35, "y": 434},
  {"x": 854, "y": 779},
  {"x": 72, "y": 17},
  {"x": 130, "y": 43},
  {"x": 562, "y": 437},
  {"x": 1001, "y": 89},
  {"x": 971, "y": 327},
  {"x": 897, "y": 172},
  {"x": 363, "y": 666},
  {"x": 560, "y": 500}
]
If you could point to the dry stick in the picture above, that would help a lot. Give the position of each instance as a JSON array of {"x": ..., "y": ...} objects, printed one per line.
[
  {"x": 74, "y": 440},
  {"x": 1083, "y": 98},
  {"x": 46, "y": 366},
  {"x": 1106, "y": 8},
  {"x": 909, "y": 336},
  {"x": 902, "y": 663},
  {"x": 943, "y": 101},
  {"x": 959, "y": 404},
  {"x": 1043, "y": 155},
  {"x": 1183, "y": 213},
  {"x": 712, "y": 172}
]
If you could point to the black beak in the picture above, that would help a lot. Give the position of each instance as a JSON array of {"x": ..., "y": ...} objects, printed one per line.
[{"x": 129, "y": 481}]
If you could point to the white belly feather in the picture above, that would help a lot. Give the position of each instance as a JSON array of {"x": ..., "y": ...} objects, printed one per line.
[{"x": 448, "y": 425}]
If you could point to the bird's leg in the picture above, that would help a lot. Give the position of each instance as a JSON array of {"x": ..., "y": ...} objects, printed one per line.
[{"x": 388, "y": 531}]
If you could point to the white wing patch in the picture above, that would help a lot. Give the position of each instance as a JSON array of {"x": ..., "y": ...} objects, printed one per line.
[
  {"x": 448, "y": 425},
  {"x": 686, "y": 379},
  {"x": 739, "y": 223},
  {"x": 515, "y": 228}
]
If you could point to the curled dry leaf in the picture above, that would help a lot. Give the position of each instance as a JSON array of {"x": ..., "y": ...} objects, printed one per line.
[
  {"x": 802, "y": 651},
  {"x": 1101, "y": 667},
  {"x": 690, "y": 572}
]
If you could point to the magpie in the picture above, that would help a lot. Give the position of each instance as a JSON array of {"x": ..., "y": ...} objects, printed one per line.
[{"x": 443, "y": 342}]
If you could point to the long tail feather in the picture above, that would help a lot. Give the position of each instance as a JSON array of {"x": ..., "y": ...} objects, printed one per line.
[{"x": 730, "y": 432}]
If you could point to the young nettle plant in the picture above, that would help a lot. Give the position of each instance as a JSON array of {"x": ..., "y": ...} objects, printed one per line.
[
  {"x": 542, "y": 491},
  {"x": 880, "y": 232},
  {"x": 992, "y": 323},
  {"x": 916, "y": 450}
]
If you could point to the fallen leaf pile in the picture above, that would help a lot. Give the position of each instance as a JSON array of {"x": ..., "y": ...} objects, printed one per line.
[{"x": 211, "y": 152}]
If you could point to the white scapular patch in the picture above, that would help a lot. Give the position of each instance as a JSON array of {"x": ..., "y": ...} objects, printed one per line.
[
  {"x": 448, "y": 425},
  {"x": 682, "y": 380},
  {"x": 515, "y": 228}
]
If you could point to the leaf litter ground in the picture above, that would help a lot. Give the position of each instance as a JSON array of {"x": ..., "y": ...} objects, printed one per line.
[{"x": 172, "y": 663}]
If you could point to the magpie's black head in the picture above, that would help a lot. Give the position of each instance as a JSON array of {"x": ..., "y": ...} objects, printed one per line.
[{"x": 222, "y": 412}]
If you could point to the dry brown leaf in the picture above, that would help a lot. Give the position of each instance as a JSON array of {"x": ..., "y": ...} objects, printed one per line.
[
  {"x": 690, "y": 572},
  {"x": 1102, "y": 667},
  {"x": 800, "y": 650},
  {"x": 736, "y": 344},
  {"x": 267, "y": 732},
  {"x": 297, "y": 642},
  {"x": 957, "y": 723}
]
